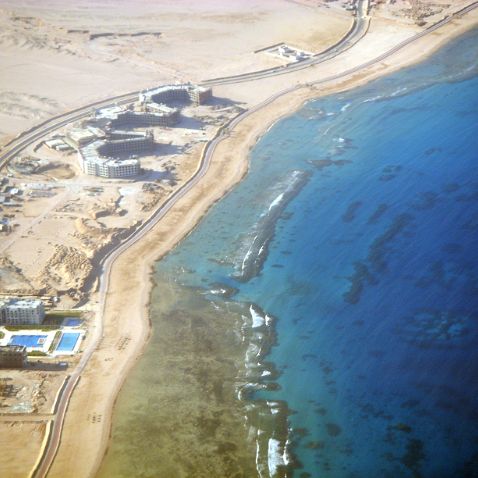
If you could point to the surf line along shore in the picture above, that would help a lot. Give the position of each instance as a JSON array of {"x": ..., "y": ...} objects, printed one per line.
[{"x": 83, "y": 442}]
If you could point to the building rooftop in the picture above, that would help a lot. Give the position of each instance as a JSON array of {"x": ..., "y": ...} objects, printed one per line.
[
  {"x": 110, "y": 113},
  {"x": 20, "y": 303},
  {"x": 77, "y": 134}
]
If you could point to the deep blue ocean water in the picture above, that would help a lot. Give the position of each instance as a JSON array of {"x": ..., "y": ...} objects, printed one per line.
[{"x": 371, "y": 271}]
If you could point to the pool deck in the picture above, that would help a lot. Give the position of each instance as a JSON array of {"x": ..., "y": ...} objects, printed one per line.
[{"x": 49, "y": 337}]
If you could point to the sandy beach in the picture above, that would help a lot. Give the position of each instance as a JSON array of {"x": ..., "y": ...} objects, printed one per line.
[{"x": 126, "y": 323}]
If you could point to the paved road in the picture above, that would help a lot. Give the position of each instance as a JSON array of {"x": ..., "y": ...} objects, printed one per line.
[
  {"x": 108, "y": 261},
  {"x": 358, "y": 30}
]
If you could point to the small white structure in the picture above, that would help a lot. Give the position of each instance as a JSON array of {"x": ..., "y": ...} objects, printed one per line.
[
  {"x": 288, "y": 53},
  {"x": 16, "y": 311}
]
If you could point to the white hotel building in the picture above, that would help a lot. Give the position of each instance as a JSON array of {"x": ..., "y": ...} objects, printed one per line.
[{"x": 21, "y": 311}]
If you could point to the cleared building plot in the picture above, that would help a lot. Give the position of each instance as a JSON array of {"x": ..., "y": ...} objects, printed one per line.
[
  {"x": 29, "y": 391},
  {"x": 12, "y": 439}
]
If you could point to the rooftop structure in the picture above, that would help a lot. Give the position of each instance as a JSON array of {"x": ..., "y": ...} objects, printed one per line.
[
  {"x": 13, "y": 356},
  {"x": 197, "y": 95},
  {"x": 78, "y": 137},
  {"x": 15, "y": 311}
]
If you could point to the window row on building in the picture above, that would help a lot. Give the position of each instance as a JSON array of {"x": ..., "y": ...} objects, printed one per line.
[
  {"x": 98, "y": 158},
  {"x": 13, "y": 356},
  {"x": 21, "y": 311}
]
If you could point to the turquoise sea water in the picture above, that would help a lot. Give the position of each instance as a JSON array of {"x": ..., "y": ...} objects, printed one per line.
[{"x": 356, "y": 230}]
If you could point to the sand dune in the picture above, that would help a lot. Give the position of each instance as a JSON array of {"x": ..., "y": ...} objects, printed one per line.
[{"x": 22, "y": 105}]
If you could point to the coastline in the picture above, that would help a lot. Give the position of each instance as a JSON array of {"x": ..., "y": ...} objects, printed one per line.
[{"x": 125, "y": 298}]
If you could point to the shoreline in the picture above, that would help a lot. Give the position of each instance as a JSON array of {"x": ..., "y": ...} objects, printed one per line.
[{"x": 229, "y": 164}]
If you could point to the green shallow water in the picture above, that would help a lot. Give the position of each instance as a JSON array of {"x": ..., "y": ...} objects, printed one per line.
[{"x": 179, "y": 416}]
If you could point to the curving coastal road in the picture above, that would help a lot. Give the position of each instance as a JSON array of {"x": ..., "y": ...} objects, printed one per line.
[
  {"x": 38, "y": 132},
  {"x": 356, "y": 33},
  {"x": 359, "y": 28}
]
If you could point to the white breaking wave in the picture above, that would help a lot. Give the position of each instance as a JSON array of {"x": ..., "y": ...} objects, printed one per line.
[
  {"x": 248, "y": 253},
  {"x": 254, "y": 245},
  {"x": 257, "y": 319},
  {"x": 276, "y": 201},
  {"x": 374, "y": 98},
  {"x": 274, "y": 407},
  {"x": 345, "y": 107},
  {"x": 399, "y": 91},
  {"x": 274, "y": 456},
  {"x": 258, "y": 461}
]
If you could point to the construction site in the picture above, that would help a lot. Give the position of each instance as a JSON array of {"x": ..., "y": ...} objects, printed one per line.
[
  {"x": 108, "y": 152},
  {"x": 91, "y": 183}
]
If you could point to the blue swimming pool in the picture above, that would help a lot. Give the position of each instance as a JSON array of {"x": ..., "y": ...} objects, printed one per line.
[
  {"x": 72, "y": 322},
  {"x": 68, "y": 342},
  {"x": 31, "y": 341}
]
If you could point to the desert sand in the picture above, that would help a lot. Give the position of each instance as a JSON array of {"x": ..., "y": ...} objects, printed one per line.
[
  {"x": 126, "y": 325},
  {"x": 16, "y": 466}
]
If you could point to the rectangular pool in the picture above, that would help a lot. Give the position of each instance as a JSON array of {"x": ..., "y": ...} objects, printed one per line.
[
  {"x": 30, "y": 341},
  {"x": 68, "y": 342},
  {"x": 72, "y": 322}
]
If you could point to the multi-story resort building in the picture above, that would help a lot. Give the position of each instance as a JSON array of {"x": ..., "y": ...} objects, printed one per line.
[
  {"x": 13, "y": 356},
  {"x": 21, "y": 311},
  {"x": 100, "y": 158},
  {"x": 101, "y": 148},
  {"x": 146, "y": 114}
]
